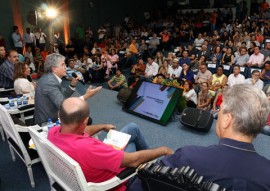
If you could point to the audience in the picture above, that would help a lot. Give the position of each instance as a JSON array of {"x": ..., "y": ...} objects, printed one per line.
[
  {"x": 118, "y": 81},
  {"x": 190, "y": 94},
  {"x": 99, "y": 161},
  {"x": 236, "y": 130},
  {"x": 236, "y": 77},
  {"x": 255, "y": 80},
  {"x": 7, "y": 70},
  {"x": 21, "y": 84},
  {"x": 218, "y": 80},
  {"x": 204, "y": 97}
]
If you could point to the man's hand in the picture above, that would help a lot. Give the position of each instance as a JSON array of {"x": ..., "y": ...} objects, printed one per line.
[
  {"x": 167, "y": 151},
  {"x": 74, "y": 82},
  {"x": 91, "y": 92},
  {"x": 108, "y": 127}
]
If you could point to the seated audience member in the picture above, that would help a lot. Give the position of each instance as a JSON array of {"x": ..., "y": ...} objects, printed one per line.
[
  {"x": 228, "y": 57},
  {"x": 118, "y": 81},
  {"x": 99, "y": 162},
  {"x": 186, "y": 74},
  {"x": 2, "y": 54},
  {"x": 97, "y": 72},
  {"x": 30, "y": 64},
  {"x": 266, "y": 50},
  {"x": 114, "y": 58},
  {"x": 71, "y": 69},
  {"x": 159, "y": 58},
  {"x": 251, "y": 49},
  {"x": 203, "y": 75},
  {"x": 184, "y": 59},
  {"x": 190, "y": 94},
  {"x": 7, "y": 70},
  {"x": 134, "y": 83},
  {"x": 236, "y": 77},
  {"x": 29, "y": 54},
  {"x": 174, "y": 70},
  {"x": 216, "y": 56},
  {"x": 255, "y": 80},
  {"x": 49, "y": 94},
  {"x": 242, "y": 58},
  {"x": 266, "y": 128},
  {"x": 198, "y": 42},
  {"x": 204, "y": 52},
  {"x": 204, "y": 97},
  {"x": 159, "y": 79},
  {"x": 164, "y": 68},
  {"x": 236, "y": 130},
  {"x": 218, "y": 100},
  {"x": 21, "y": 83},
  {"x": 139, "y": 68},
  {"x": 218, "y": 80},
  {"x": 151, "y": 69},
  {"x": 153, "y": 44},
  {"x": 265, "y": 74},
  {"x": 256, "y": 59}
]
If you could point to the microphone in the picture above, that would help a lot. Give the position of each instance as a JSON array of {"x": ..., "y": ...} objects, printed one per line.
[{"x": 74, "y": 75}]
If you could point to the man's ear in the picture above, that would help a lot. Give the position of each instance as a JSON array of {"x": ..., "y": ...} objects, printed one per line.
[
  {"x": 85, "y": 121},
  {"x": 227, "y": 120}
]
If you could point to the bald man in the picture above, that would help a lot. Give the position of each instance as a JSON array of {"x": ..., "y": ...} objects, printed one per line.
[{"x": 99, "y": 162}]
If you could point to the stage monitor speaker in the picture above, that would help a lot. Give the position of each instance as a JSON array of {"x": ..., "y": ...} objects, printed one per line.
[
  {"x": 197, "y": 119},
  {"x": 32, "y": 18}
]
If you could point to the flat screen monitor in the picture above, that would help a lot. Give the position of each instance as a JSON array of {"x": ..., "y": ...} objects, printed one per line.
[{"x": 153, "y": 101}]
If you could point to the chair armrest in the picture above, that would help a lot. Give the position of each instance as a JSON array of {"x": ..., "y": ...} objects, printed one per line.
[
  {"x": 21, "y": 128},
  {"x": 125, "y": 173}
]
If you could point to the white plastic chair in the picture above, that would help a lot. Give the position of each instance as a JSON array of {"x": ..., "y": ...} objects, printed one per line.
[
  {"x": 2, "y": 100},
  {"x": 63, "y": 171},
  {"x": 17, "y": 142}
]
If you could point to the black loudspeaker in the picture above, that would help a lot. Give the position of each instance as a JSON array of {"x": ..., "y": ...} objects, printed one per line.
[
  {"x": 32, "y": 18},
  {"x": 123, "y": 95},
  {"x": 197, "y": 119}
]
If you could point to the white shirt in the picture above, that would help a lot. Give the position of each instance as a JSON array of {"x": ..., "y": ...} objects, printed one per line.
[
  {"x": 41, "y": 36},
  {"x": 22, "y": 86},
  {"x": 258, "y": 84},
  {"x": 198, "y": 42},
  {"x": 177, "y": 71},
  {"x": 232, "y": 79},
  {"x": 191, "y": 95},
  {"x": 151, "y": 69}
]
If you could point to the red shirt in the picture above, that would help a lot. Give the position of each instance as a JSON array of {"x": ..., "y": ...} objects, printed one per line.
[
  {"x": 99, "y": 162},
  {"x": 219, "y": 100}
]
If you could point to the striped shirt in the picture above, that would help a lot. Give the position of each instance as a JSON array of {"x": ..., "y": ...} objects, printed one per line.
[{"x": 6, "y": 75}]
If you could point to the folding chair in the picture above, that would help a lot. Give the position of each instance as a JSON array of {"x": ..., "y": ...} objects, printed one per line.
[
  {"x": 66, "y": 174},
  {"x": 250, "y": 70},
  {"x": 227, "y": 69},
  {"x": 244, "y": 71},
  {"x": 212, "y": 67},
  {"x": 18, "y": 140}
]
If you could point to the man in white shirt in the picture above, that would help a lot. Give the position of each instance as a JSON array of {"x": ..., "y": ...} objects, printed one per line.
[
  {"x": 236, "y": 77},
  {"x": 151, "y": 69},
  {"x": 255, "y": 80},
  {"x": 40, "y": 39},
  {"x": 256, "y": 59},
  {"x": 17, "y": 40},
  {"x": 198, "y": 42},
  {"x": 174, "y": 70},
  {"x": 29, "y": 39}
]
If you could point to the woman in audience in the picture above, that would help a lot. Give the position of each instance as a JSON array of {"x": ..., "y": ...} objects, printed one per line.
[
  {"x": 265, "y": 74},
  {"x": 159, "y": 58},
  {"x": 186, "y": 74},
  {"x": 163, "y": 69},
  {"x": 216, "y": 55},
  {"x": 21, "y": 83},
  {"x": 218, "y": 80},
  {"x": 190, "y": 94},
  {"x": 204, "y": 97},
  {"x": 251, "y": 48},
  {"x": 228, "y": 57},
  {"x": 218, "y": 100},
  {"x": 197, "y": 63},
  {"x": 30, "y": 64}
]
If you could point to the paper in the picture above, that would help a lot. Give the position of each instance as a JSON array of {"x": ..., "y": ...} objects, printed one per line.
[{"x": 118, "y": 140}]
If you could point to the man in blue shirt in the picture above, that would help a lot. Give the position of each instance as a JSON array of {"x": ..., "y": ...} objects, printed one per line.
[
  {"x": 6, "y": 70},
  {"x": 233, "y": 163},
  {"x": 185, "y": 59}
]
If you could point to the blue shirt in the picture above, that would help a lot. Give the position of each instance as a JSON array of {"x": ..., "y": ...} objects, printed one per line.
[
  {"x": 70, "y": 71},
  {"x": 6, "y": 74},
  {"x": 184, "y": 60},
  {"x": 232, "y": 164}
]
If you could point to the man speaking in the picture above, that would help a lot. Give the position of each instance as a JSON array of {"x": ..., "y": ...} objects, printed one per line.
[{"x": 49, "y": 92}]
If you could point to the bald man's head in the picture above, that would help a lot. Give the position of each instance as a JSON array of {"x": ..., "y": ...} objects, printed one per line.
[{"x": 73, "y": 111}]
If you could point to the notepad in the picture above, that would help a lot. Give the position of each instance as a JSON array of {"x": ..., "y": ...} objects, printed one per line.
[{"x": 118, "y": 140}]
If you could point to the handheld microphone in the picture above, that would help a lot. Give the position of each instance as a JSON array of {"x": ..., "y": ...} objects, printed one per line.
[{"x": 74, "y": 75}]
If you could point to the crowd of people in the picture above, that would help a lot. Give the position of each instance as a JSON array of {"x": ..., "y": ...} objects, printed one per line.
[{"x": 222, "y": 65}]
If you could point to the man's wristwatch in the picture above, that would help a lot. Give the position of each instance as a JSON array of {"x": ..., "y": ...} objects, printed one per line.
[{"x": 72, "y": 86}]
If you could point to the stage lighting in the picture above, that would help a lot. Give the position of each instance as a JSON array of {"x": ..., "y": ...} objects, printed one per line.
[{"x": 51, "y": 13}]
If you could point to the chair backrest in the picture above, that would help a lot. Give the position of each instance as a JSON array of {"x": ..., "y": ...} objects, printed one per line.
[
  {"x": 250, "y": 70},
  {"x": 12, "y": 133},
  {"x": 212, "y": 67},
  {"x": 59, "y": 166},
  {"x": 244, "y": 71},
  {"x": 227, "y": 69}
]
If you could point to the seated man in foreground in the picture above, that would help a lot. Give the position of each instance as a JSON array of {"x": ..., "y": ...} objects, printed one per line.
[
  {"x": 233, "y": 163},
  {"x": 99, "y": 162}
]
